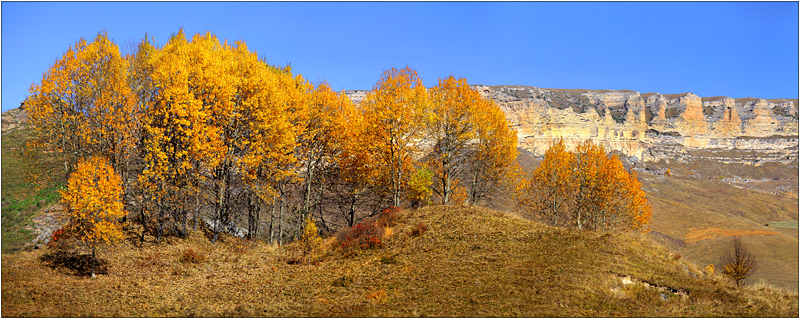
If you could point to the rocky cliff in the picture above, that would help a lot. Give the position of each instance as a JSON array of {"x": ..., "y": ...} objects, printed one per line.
[
  {"x": 653, "y": 126},
  {"x": 650, "y": 126}
]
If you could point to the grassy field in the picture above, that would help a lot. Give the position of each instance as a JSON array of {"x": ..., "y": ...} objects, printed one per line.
[{"x": 469, "y": 262}]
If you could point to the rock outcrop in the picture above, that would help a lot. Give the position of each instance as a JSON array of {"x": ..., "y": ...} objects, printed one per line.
[{"x": 652, "y": 126}]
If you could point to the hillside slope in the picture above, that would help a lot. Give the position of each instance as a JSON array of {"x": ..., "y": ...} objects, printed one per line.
[{"x": 470, "y": 262}]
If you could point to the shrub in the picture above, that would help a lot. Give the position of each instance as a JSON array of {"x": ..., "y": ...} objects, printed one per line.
[
  {"x": 738, "y": 262},
  {"x": 710, "y": 270},
  {"x": 388, "y": 217},
  {"x": 190, "y": 256},
  {"x": 61, "y": 239},
  {"x": 419, "y": 187},
  {"x": 362, "y": 236},
  {"x": 154, "y": 259},
  {"x": 418, "y": 230},
  {"x": 310, "y": 241}
]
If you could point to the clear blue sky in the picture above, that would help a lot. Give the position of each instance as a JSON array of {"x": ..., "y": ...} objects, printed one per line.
[{"x": 730, "y": 49}]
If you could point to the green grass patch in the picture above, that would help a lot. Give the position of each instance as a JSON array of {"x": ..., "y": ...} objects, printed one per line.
[
  {"x": 785, "y": 224},
  {"x": 20, "y": 199},
  {"x": 17, "y": 216}
]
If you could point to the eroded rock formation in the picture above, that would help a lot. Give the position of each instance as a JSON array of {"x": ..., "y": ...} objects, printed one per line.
[
  {"x": 653, "y": 126},
  {"x": 650, "y": 126}
]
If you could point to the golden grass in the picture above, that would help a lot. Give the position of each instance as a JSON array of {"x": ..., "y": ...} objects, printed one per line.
[{"x": 470, "y": 262}]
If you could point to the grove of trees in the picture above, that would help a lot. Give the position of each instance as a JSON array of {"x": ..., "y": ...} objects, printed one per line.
[
  {"x": 203, "y": 131},
  {"x": 585, "y": 189}
]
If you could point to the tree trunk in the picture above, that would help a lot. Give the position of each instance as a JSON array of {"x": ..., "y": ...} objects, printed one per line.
[
  {"x": 94, "y": 260},
  {"x": 272, "y": 222},
  {"x": 280, "y": 219},
  {"x": 143, "y": 218},
  {"x": 196, "y": 210},
  {"x": 352, "y": 212},
  {"x": 307, "y": 190}
]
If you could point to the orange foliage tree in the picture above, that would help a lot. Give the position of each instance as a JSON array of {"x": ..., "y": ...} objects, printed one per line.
[
  {"x": 92, "y": 204},
  {"x": 550, "y": 191},
  {"x": 357, "y": 162},
  {"x": 586, "y": 189},
  {"x": 321, "y": 139},
  {"x": 202, "y": 126}
]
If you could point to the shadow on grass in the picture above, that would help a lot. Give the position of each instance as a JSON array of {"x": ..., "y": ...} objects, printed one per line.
[{"x": 74, "y": 262}]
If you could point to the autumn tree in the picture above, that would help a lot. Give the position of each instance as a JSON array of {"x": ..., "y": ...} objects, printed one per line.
[
  {"x": 550, "y": 192},
  {"x": 608, "y": 197},
  {"x": 92, "y": 204},
  {"x": 738, "y": 262},
  {"x": 139, "y": 79},
  {"x": 419, "y": 187},
  {"x": 394, "y": 108},
  {"x": 451, "y": 127},
  {"x": 83, "y": 104},
  {"x": 175, "y": 135},
  {"x": 492, "y": 162},
  {"x": 586, "y": 189},
  {"x": 358, "y": 168},
  {"x": 320, "y": 140}
]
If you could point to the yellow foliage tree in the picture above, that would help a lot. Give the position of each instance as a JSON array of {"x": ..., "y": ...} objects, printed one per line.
[
  {"x": 321, "y": 139},
  {"x": 92, "y": 204},
  {"x": 394, "y": 109},
  {"x": 358, "y": 160},
  {"x": 83, "y": 104},
  {"x": 419, "y": 187},
  {"x": 494, "y": 153},
  {"x": 451, "y": 126},
  {"x": 310, "y": 241},
  {"x": 550, "y": 192}
]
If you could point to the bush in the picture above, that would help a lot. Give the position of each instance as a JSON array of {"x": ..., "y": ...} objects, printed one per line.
[
  {"x": 61, "y": 239},
  {"x": 388, "y": 217},
  {"x": 418, "y": 230},
  {"x": 362, "y": 236},
  {"x": 710, "y": 270},
  {"x": 310, "y": 243},
  {"x": 190, "y": 256}
]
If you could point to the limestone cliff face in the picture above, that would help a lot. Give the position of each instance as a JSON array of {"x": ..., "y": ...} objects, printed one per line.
[{"x": 652, "y": 126}]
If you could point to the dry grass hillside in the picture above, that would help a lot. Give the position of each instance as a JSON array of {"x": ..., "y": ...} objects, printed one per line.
[
  {"x": 471, "y": 261},
  {"x": 700, "y": 205}
]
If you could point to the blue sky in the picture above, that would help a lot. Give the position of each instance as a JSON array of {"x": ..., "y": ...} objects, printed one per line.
[{"x": 709, "y": 48}]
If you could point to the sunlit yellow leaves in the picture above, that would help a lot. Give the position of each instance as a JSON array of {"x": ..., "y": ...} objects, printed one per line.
[
  {"x": 493, "y": 161},
  {"x": 83, "y": 104},
  {"x": 394, "y": 110},
  {"x": 93, "y": 202}
]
